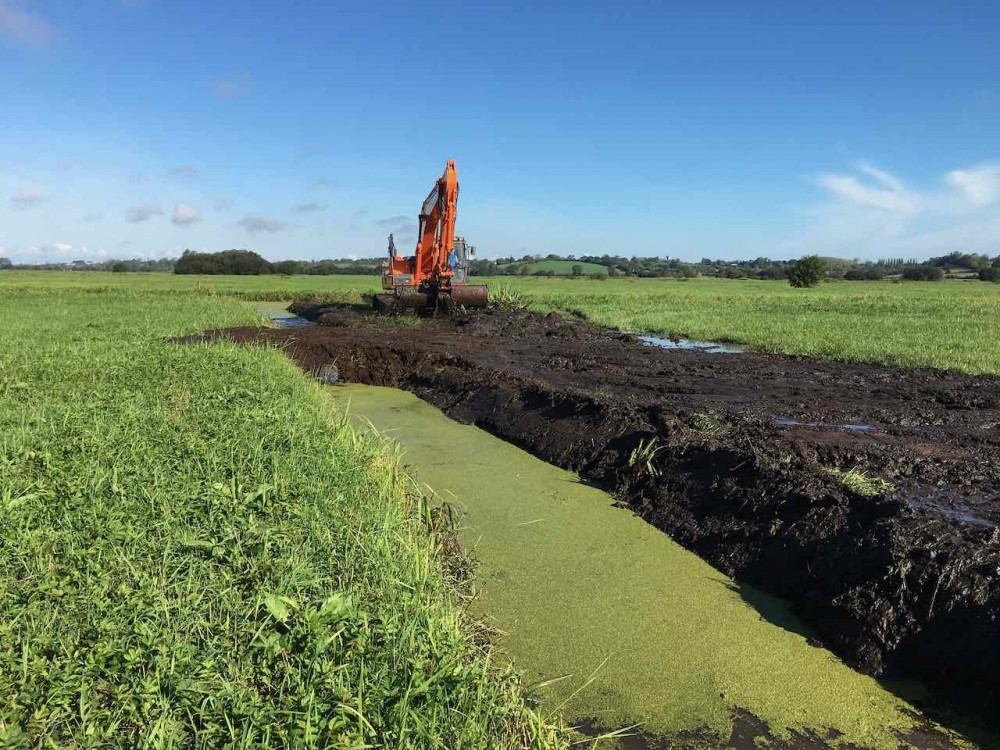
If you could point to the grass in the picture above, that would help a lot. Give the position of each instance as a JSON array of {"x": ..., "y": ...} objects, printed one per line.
[
  {"x": 195, "y": 553},
  {"x": 860, "y": 483},
  {"x": 611, "y": 618},
  {"x": 948, "y": 325}
]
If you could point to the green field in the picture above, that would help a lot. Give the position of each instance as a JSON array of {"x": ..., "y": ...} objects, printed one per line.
[
  {"x": 565, "y": 267},
  {"x": 950, "y": 324},
  {"x": 195, "y": 553}
]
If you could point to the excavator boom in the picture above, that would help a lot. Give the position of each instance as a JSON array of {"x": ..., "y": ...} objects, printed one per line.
[{"x": 435, "y": 277}]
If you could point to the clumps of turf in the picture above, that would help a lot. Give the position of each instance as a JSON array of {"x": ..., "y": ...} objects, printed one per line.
[
  {"x": 708, "y": 424},
  {"x": 194, "y": 553},
  {"x": 860, "y": 483}
]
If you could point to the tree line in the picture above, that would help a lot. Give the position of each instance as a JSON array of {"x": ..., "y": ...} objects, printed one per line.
[{"x": 247, "y": 262}]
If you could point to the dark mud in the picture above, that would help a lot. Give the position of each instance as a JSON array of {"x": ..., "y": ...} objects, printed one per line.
[{"x": 732, "y": 456}]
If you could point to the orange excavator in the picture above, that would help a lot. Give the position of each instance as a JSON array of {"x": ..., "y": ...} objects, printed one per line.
[{"x": 435, "y": 279}]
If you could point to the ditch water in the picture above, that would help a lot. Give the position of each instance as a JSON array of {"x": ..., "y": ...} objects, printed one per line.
[
  {"x": 708, "y": 347},
  {"x": 782, "y": 422},
  {"x": 618, "y": 624},
  {"x": 277, "y": 313}
]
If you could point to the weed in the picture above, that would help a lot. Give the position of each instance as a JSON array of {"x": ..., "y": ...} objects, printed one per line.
[
  {"x": 507, "y": 297},
  {"x": 860, "y": 483},
  {"x": 708, "y": 424},
  {"x": 644, "y": 456}
]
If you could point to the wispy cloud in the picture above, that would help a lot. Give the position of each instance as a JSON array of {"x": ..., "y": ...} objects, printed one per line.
[
  {"x": 25, "y": 198},
  {"x": 255, "y": 224},
  {"x": 139, "y": 214},
  {"x": 871, "y": 212},
  {"x": 185, "y": 216},
  {"x": 184, "y": 172},
  {"x": 56, "y": 252},
  {"x": 981, "y": 185},
  {"x": 323, "y": 184},
  {"x": 92, "y": 217},
  {"x": 22, "y": 27},
  {"x": 222, "y": 204},
  {"x": 399, "y": 223},
  {"x": 877, "y": 189},
  {"x": 311, "y": 207}
]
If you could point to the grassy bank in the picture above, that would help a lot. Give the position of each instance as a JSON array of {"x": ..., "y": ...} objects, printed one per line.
[
  {"x": 949, "y": 325},
  {"x": 193, "y": 555}
]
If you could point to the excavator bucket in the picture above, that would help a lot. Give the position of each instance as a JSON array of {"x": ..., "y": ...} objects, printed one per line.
[
  {"x": 470, "y": 295},
  {"x": 461, "y": 296}
]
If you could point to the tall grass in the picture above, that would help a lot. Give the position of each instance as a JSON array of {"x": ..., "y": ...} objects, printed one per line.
[{"x": 193, "y": 555}]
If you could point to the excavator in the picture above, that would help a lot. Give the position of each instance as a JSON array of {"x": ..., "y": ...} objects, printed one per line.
[{"x": 435, "y": 280}]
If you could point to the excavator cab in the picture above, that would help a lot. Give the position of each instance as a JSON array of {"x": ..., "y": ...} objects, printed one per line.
[
  {"x": 462, "y": 255},
  {"x": 435, "y": 278}
]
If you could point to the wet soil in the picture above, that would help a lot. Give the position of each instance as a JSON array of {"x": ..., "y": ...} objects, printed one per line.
[{"x": 731, "y": 455}]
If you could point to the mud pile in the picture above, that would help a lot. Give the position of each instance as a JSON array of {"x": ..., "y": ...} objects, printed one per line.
[{"x": 869, "y": 496}]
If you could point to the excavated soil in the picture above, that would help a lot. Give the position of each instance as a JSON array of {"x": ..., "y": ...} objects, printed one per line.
[{"x": 741, "y": 459}]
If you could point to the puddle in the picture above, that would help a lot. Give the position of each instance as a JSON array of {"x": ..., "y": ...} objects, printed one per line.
[
  {"x": 708, "y": 347},
  {"x": 781, "y": 422},
  {"x": 959, "y": 514}
]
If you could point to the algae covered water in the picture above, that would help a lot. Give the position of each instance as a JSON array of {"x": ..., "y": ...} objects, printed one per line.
[{"x": 617, "y": 623}]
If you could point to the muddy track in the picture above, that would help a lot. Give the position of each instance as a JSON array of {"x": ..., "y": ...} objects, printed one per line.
[{"x": 741, "y": 459}]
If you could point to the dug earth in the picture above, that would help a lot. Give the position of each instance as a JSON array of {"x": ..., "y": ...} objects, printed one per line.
[{"x": 869, "y": 496}]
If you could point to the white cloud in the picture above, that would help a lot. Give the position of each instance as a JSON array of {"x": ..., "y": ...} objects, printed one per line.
[
  {"x": 185, "y": 216},
  {"x": 981, "y": 185},
  {"x": 880, "y": 191},
  {"x": 56, "y": 252},
  {"x": 140, "y": 214},
  {"x": 25, "y": 198},
  {"x": 254, "y": 224},
  {"x": 21, "y": 27},
  {"x": 873, "y": 213}
]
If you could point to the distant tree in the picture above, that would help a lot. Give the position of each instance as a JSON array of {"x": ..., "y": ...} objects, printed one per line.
[
  {"x": 119, "y": 266},
  {"x": 808, "y": 272},
  {"x": 865, "y": 273},
  {"x": 923, "y": 272},
  {"x": 775, "y": 271},
  {"x": 990, "y": 274},
  {"x": 5, "y": 263},
  {"x": 229, "y": 262},
  {"x": 577, "y": 269},
  {"x": 288, "y": 267}
]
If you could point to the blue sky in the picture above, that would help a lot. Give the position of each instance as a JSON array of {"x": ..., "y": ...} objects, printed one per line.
[{"x": 311, "y": 129}]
